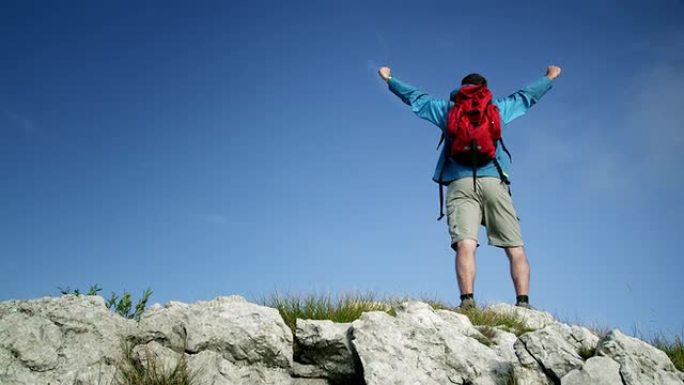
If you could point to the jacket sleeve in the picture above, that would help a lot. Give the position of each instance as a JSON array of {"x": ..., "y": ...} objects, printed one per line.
[
  {"x": 517, "y": 104},
  {"x": 425, "y": 106}
]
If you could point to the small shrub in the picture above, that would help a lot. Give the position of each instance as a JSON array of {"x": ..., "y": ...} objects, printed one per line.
[
  {"x": 121, "y": 305},
  {"x": 93, "y": 290},
  {"x": 124, "y": 305}
]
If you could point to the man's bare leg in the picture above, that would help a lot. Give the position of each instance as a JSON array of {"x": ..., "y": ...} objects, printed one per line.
[
  {"x": 465, "y": 265},
  {"x": 520, "y": 269}
]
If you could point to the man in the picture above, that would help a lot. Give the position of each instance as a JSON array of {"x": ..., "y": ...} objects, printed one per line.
[{"x": 477, "y": 195}]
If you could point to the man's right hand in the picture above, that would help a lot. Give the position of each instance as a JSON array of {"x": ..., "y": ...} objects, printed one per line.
[{"x": 385, "y": 73}]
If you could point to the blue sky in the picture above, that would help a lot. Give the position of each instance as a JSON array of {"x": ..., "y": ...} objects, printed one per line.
[{"x": 220, "y": 148}]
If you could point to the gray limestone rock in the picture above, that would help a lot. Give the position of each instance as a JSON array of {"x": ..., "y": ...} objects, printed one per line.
[
  {"x": 308, "y": 371},
  {"x": 502, "y": 341},
  {"x": 552, "y": 348},
  {"x": 422, "y": 346},
  {"x": 157, "y": 356},
  {"x": 210, "y": 367},
  {"x": 526, "y": 376},
  {"x": 72, "y": 339},
  {"x": 504, "y": 346},
  {"x": 326, "y": 346},
  {"x": 241, "y": 332},
  {"x": 582, "y": 338},
  {"x": 310, "y": 381},
  {"x": 640, "y": 363},
  {"x": 596, "y": 371},
  {"x": 77, "y": 341}
]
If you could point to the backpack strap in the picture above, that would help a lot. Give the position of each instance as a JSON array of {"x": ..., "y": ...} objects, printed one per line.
[
  {"x": 504, "y": 178},
  {"x": 441, "y": 191},
  {"x": 441, "y": 202},
  {"x": 443, "y": 140},
  {"x": 503, "y": 147}
]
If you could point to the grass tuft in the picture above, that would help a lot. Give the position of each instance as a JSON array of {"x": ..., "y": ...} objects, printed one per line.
[
  {"x": 342, "y": 308},
  {"x": 487, "y": 331},
  {"x": 484, "y": 340},
  {"x": 349, "y": 307},
  {"x": 484, "y": 317},
  {"x": 586, "y": 353},
  {"x": 673, "y": 349},
  {"x": 133, "y": 372}
]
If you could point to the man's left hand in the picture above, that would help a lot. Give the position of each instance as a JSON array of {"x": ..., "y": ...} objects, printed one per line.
[{"x": 553, "y": 72}]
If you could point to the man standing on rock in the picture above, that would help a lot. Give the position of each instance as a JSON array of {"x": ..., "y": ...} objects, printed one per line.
[{"x": 474, "y": 166}]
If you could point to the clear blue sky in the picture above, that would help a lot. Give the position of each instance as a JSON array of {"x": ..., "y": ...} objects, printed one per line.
[{"x": 234, "y": 147}]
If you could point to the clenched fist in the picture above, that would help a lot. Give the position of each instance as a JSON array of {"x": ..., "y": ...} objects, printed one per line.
[
  {"x": 553, "y": 72},
  {"x": 385, "y": 73}
]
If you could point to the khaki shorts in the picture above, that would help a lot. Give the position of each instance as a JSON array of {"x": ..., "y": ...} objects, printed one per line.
[{"x": 490, "y": 205}]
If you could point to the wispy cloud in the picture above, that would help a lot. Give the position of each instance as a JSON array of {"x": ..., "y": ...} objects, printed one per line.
[
  {"x": 648, "y": 150},
  {"x": 17, "y": 121},
  {"x": 620, "y": 156}
]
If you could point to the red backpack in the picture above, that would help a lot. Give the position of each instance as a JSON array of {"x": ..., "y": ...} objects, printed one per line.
[
  {"x": 473, "y": 126},
  {"x": 472, "y": 132}
]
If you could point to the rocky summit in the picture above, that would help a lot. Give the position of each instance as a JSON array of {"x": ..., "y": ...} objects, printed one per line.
[{"x": 76, "y": 340}]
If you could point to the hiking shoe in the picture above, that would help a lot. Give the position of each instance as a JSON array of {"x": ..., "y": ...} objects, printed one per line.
[
  {"x": 525, "y": 305},
  {"x": 467, "y": 304}
]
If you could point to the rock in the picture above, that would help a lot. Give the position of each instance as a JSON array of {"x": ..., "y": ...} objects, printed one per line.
[
  {"x": 210, "y": 367},
  {"x": 583, "y": 338},
  {"x": 552, "y": 347},
  {"x": 526, "y": 376},
  {"x": 422, "y": 346},
  {"x": 502, "y": 341},
  {"x": 640, "y": 363},
  {"x": 34, "y": 344},
  {"x": 596, "y": 371},
  {"x": 326, "y": 346},
  {"x": 52, "y": 340},
  {"x": 310, "y": 381},
  {"x": 157, "y": 356},
  {"x": 77, "y": 341},
  {"x": 504, "y": 346},
  {"x": 308, "y": 371},
  {"x": 238, "y": 330}
]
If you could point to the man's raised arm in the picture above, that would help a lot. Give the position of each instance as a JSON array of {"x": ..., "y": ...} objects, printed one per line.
[
  {"x": 517, "y": 104},
  {"x": 425, "y": 106}
]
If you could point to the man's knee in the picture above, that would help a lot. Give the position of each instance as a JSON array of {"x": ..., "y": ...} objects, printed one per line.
[
  {"x": 516, "y": 253},
  {"x": 465, "y": 246}
]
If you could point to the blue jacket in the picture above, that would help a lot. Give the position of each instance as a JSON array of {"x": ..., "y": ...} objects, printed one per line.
[{"x": 436, "y": 111}]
